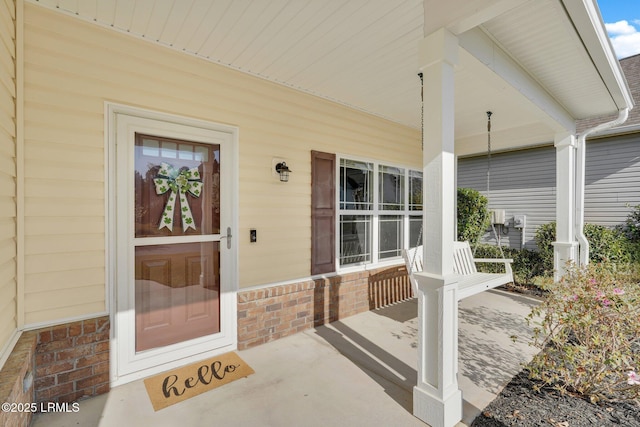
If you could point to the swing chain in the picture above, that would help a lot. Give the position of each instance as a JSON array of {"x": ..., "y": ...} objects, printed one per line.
[
  {"x": 489, "y": 113},
  {"x": 493, "y": 227}
]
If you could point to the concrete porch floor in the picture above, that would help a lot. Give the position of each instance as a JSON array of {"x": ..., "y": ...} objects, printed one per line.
[{"x": 359, "y": 371}]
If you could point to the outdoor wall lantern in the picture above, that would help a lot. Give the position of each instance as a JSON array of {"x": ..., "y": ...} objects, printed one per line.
[{"x": 283, "y": 170}]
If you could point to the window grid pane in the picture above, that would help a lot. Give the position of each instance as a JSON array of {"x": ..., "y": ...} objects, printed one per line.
[
  {"x": 355, "y": 239},
  {"x": 379, "y": 215},
  {"x": 356, "y": 185},
  {"x": 415, "y": 225},
  {"x": 415, "y": 191},
  {"x": 390, "y": 236},
  {"x": 391, "y": 188}
]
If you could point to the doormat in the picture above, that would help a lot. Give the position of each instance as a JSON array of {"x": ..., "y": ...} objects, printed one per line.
[{"x": 183, "y": 383}]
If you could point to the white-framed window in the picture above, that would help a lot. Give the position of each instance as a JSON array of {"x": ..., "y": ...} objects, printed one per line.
[{"x": 379, "y": 210}]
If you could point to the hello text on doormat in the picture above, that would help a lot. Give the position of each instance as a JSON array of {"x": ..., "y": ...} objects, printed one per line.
[{"x": 183, "y": 383}]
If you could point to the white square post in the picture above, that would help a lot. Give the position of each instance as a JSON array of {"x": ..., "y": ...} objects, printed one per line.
[
  {"x": 436, "y": 397},
  {"x": 564, "y": 248}
]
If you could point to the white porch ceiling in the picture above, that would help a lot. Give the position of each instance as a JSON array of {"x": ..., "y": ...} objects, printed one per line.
[{"x": 364, "y": 54}]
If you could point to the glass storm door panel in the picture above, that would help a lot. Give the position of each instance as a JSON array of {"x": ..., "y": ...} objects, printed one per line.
[{"x": 176, "y": 241}]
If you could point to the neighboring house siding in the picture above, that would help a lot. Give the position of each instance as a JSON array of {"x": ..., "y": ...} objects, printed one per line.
[
  {"x": 522, "y": 183},
  {"x": 8, "y": 318},
  {"x": 612, "y": 179},
  {"x": 73, "y": 67}
]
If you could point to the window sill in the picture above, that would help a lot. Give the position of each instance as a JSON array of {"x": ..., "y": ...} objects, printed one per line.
[{"x": 366, "y": 267}]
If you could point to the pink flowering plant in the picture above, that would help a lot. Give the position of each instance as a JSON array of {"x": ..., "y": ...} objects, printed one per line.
[{"x": 588, "y": 330}]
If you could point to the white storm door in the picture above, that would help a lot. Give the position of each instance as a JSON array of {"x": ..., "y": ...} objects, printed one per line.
[{"x": 175, "y": 255}]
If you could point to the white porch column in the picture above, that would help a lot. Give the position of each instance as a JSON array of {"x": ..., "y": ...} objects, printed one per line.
[
  {"x": 564, "y": 248},
  {"x": 436, "y": 397}
]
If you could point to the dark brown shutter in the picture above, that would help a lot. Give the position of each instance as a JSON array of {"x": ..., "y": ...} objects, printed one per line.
[{"x": 323, "y": 212}]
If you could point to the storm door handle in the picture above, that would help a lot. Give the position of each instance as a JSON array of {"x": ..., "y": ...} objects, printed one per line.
[{"x": 228, "y": 237}]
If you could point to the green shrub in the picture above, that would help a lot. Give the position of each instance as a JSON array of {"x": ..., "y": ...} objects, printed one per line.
[
  {"x": 605, "y": 244},
  {"x": 588, "y": 331},
  {"x": 631, "y": 226},
  {"x": 631, "y": 229},
  {"x": 526, "y": 264},
  {"x": 544, "y": 237},
  {"x": 490, "y": 251},
  {"x": 473, "y": 215}
]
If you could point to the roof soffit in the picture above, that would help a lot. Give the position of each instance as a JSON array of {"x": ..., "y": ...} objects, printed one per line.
[{"x": 541, "y": 38}]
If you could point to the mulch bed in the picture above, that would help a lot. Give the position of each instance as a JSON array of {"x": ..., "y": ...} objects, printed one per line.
[
  {"x": 519, "y": 405},
  {"x": 525, "y": 289}
]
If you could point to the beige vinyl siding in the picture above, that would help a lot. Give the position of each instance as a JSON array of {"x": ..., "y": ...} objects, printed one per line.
[
  {"x": 73, "y": 67},
  {"x": 8, "y": 289}
]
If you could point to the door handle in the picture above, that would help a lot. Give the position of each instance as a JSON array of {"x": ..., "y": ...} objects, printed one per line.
[{"x": 228, "y": 237}]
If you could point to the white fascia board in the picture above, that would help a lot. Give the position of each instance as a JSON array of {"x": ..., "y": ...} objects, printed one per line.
[
  {"x": 483, "y": 48},
  {"x": 587, "y": 21}
]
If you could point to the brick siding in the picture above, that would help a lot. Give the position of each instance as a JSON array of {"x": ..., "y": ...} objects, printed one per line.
[
  {"x": 72, "y": 361},
  {"x": 270, "y": 313},
  {"x": 18, "y": 366}
]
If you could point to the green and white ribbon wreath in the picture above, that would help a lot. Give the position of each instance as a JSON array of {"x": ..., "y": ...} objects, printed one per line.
[{"x": 179, "y": 182}]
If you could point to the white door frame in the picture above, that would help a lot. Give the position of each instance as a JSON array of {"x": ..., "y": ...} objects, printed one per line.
[{"x": 120, "y": 125}]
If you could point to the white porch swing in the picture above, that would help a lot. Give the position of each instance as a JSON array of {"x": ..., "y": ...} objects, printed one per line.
[{"x": 471, "y": 281}]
